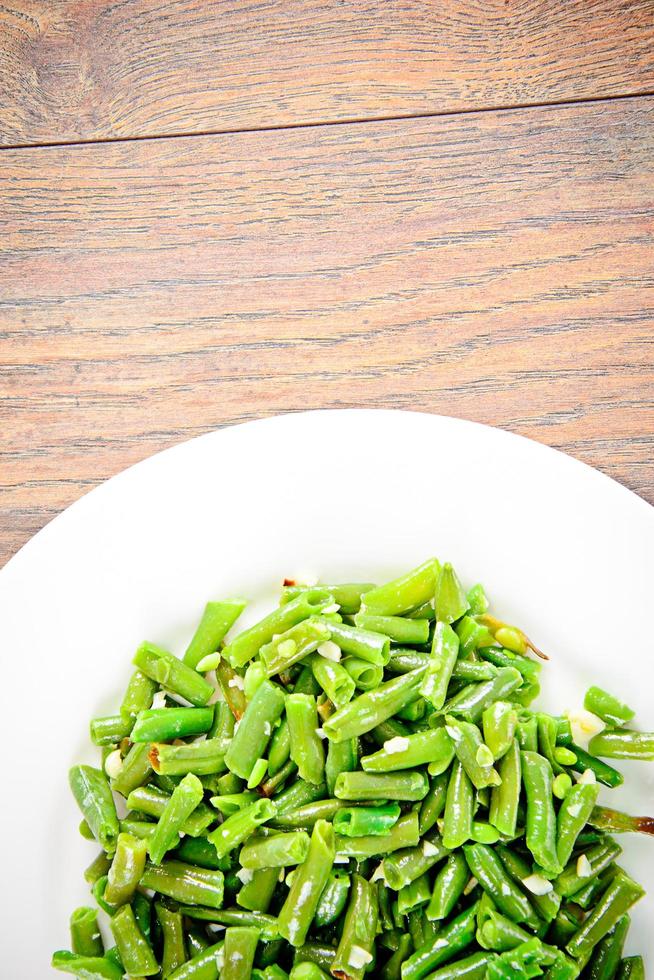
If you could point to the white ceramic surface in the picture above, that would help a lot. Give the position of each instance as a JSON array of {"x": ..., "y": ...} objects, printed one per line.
[{"x": 562, "y": 550}]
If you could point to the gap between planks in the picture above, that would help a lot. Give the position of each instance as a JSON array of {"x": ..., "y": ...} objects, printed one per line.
[{"x": 314, "y": 124}]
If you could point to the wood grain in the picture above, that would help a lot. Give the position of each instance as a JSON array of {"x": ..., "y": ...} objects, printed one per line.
[
  {"x": 496, "y": 267},
  {"x": 97, "y": 69}
]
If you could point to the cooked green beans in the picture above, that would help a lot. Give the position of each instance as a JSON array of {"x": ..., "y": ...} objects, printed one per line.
[
  {"x": 296, "y": 915},
  {"x": 358, "y": 788}
]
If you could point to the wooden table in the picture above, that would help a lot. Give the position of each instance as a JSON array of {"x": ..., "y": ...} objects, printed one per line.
[{"x": 213, "y": 211}]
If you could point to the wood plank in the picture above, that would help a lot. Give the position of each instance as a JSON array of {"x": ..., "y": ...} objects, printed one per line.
[
  {"x": 496, "y": 267},
  {"x": 97, "y": 69}
]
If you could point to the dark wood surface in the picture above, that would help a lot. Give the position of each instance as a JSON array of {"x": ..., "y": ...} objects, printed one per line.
[
  {"x": 494, "y": 265},
  {"x": 95, "y": 69}
]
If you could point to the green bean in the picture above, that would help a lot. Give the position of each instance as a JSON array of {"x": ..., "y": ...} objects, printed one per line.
[
  {"x": 153, "y": 802},
  {"x": 392, "y": 969},
  {"x": 434, "y": 802},
  {"x": 448, "y": 887},
  {"x": 477, "y": 600},
  {"x": 305, "y": 817},
  {"x": 573, "y": 816},
  {"x": 475, "y": 757},
  {"x": 587, "y": 896},
  {"x": 404, "y": 834},
  {"x": 277, "y": 851},
  {"x": 631, "y": 968},
  {"x": 126, "y": 869},
  {"x": 89, "y": 967},
  {"x": 92, "y": 794},
  {"x": 110, "y": 729},
  {"x": 197, "y": 943},
  {"x": 472, "y": 701},
  {"x": 223, "y": 721},
  {"x": 232, "y": 688},
  {"x": 366, "y": 676},
  {"x": 240, "y": 825},
  {"x": 341, "y": 757},
  {"x": 85, "y": 938},
  {"x": 333, "y": 678},
  {"x": 318, "y": 953},
  {"x": 608, "y": 952},
  {"x": 403, "y": 660},
  {"x": 97, "y": 868},
  {"x": 251, "y": 739},
  {"x": 489, "y": 871},
  {"x": 307, "y": 750},
  {"x": 505, "y": 798},
  {"x": 172, "y": 931},
  {"x": 135, "y": 952},
  {"x": 527, "y": 733},
  {"x": 364, "y": 820},
  {"x": 279, "y": 749},
  {"x": 171, "y": 673},
  {"x": 347, "y": 595},
  {"x": 198, "y": 850},
  {"x": 444, "y": 652},
  {"x": 398, "y": 629},
  {"x": 599, "y": 857},
  {"x": 165, "y": 724},
  {"x": 373, "y": 707},
  {"x": 257, "y": 892},
  {"x": 406, "y": 865},
  {"x": 202, "y": 966},
  {"x": 184, "y": 800},
  {"x": 615, "y": 822},
  {"x": 269, "y": 788},
  {"x": 456, "y": 936},
  {"x": 468, "y": 670},
  {"x": 498, "y": 933},
  {"x": 308, "y": 971},
  {"x": 298, "y": 795},
  {"x": 548, "y": 904},
  {"x": 607, "y": 707},
  {"x": 333, "y": 899},
  {"x": 407, "y": 752},
  {"x": 410, "y": 785},
  {"x": 472, "y": 635},
  {"x": 540, "y": 835},
  {"x": 562, "y": 785},
  {"x": 297, "y": 913},
  {"x": 450, "y": 601},
  {"x": 402, "y": 594},
  {"x": 389, "y": 729},
  {"x": 472, "y": 967},
  {"x": 413, "y": 711},
  {"x": 266, "y": 924},
  {"x": 239, "y": 949},
  {"x": 459, "y": 807},
  {"x": 217, "y": 619},
  {"x": 138, "y": 696},
  {"x": 134, "y": 771},
  {"x": 232, "y": 802},
  {"x": 294, "y": 645},
  {"x": 251, "y": 641},
  {"x": 621, "y": 894},
  {"x": 499, "y": 723},
  {"x": 603, "y": 772},
  {"x": 415, "y": 895},
  {"x": 529, "y": 669},
  {"x": 356, "y": 946},
  {"x": 201, "y": 757},
  {"x": 623, "y": 744},
  {"x": 374, "y": 648},
  {"x": 185, "y": 882}
]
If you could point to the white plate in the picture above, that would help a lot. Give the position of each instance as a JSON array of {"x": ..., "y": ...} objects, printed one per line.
[{"x": 562, "y": 550}]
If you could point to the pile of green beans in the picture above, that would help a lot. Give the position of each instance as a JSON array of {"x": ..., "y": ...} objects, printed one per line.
[{"x": 356, "y": 784}]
